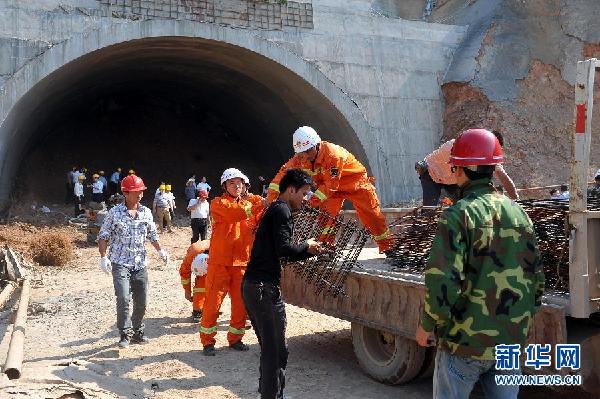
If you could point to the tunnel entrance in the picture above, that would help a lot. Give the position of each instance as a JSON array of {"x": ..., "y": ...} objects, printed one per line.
[{"x": 166, "y": 107}]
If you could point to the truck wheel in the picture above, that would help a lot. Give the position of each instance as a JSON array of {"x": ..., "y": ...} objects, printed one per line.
[{"x": 385, "y": 357}]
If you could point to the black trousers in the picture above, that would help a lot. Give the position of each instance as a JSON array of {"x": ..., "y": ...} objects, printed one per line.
[
  {"x": 68, "y": 193},
  {"x": 114, "y": 187},
  {"x": 199, "y": 227},
  {"x": 433, "y": 190},
  {"x": 266, "y": 312}
]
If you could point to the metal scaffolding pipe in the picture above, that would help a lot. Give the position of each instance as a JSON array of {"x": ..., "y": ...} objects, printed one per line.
[
  {"x": 14, "y": 359},
  {"x": 6, "y": 293}
]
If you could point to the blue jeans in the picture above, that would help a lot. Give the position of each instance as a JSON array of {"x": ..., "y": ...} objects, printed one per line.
[
  {"x": 130, "y": 285},
  {"x": 454, "y": 378}
]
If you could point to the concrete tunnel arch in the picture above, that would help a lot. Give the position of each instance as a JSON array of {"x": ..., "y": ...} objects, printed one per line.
[{"x": 262, "y": 89}]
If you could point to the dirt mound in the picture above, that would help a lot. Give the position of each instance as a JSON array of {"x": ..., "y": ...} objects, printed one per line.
[{"x": 52, "y": 249}]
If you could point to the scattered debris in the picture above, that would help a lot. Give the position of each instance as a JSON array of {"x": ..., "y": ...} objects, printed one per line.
[{"x": 53, "y": 249}]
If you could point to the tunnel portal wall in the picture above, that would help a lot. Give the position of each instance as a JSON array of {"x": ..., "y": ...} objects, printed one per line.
[{"x": 379, "y": 74}]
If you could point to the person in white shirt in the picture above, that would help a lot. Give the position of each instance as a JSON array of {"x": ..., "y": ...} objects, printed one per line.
[
  {"x": 115, "y": 180},
  {"x": 172, "y": 205},
  {"x": 203, "y": 185},
  {"x": 160, "y": 208},
  {"x": 78, "y": 193},
  {"x": 199, "y": 209},
  {"x": 97, "y": 189}
]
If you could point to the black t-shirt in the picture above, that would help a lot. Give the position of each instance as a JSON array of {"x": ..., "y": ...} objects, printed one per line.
[{"x": 273, "y": 242}]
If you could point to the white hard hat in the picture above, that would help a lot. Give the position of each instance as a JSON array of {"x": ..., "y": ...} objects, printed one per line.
[
  {"x": 231, "y": 173},
  {"x": 305, "y": 138},
  {"x": 597, "y": 173},
  {"x": 200, "y": 264}
]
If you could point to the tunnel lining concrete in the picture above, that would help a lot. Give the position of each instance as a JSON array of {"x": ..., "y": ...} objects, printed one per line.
[{"x": 67, "y": 54}]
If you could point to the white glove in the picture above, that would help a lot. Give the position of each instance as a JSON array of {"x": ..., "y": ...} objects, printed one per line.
[
  {"x": 164, "y": 256},
  {"x": 105, "y": 265}
]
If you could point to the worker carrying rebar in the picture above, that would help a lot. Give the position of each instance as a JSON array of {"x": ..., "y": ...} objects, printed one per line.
[
  {"x": 435, "y": 175},
  {"x": 338, "y": 176},
  {"x": 484, "y": 276},
  {"x": 126, "y": 228},
  {"x": 195, "y": 263},
  {"x": 235, "y": 215},
  {"x": 260, "y": 288}
]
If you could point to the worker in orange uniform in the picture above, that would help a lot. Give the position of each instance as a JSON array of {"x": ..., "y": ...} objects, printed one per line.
[
  {"x": 195, "y": 262},
  {"x": 338, "y": 176},
  {"x": 235, "y": 215}
]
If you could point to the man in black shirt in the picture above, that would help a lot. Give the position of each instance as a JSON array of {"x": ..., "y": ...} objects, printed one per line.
[{"x": 260, "y": 287}]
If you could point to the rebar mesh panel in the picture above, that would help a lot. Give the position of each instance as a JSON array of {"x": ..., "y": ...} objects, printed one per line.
[
  {"x": 328, "y": 271},
  {"x": 414, "y": 232}
]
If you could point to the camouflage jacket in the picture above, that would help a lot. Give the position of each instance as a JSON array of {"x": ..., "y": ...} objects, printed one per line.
[{"x": 484, "y": 274}]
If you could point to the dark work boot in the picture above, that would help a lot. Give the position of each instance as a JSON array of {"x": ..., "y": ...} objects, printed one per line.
[
  {"x": 196, "y": 316},
  {"x": 240, "y": 346},
  {"x": 209, "y": 350},
  {"x": 139, "y": 338},
  {"x": 124, "y": 342}
]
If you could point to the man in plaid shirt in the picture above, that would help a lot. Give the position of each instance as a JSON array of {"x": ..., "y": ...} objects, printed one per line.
[{"x": 125, "y": 229}]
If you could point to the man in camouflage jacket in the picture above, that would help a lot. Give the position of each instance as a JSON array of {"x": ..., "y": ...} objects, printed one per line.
[{"x": 484, "y": 276}]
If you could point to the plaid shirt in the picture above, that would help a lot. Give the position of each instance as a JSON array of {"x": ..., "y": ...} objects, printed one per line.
[{"x": 126, "y": 235}]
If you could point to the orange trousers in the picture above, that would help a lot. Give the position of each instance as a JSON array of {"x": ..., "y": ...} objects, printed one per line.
[
  {"x": 366, "y": 203},
  {"x": 199, "y": 293},
  {"x": 219, "y": 280}
]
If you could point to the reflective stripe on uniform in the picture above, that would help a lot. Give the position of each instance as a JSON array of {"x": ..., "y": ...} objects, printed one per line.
[
  {"x": 248, "y": 210},
  {"x": 185, "y": 282},
  {"x": 319, "y": 194},
  {"x": 241, "y": 331},
  {"x": 328, "y": 229},
  {"x": 199, "y": 290},
  {"x": 208, "y": 330},
  {"x": 383, "y": 236},
  {"x": 274, "y": 187}
]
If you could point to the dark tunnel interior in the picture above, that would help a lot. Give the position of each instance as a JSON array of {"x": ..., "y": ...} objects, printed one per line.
[{"x": 166, "y": 107}]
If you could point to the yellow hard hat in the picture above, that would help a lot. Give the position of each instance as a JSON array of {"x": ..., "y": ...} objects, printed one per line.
[
  {"x": 131, "y": 172},
  {"x": 119, "y": 170},
  {"x": 168, "y": 187},
  {"x": 162, "y": 187},
  {"x": 81, "y": 177},
  {"x": 101, "y": 172},
  {"x": 95, "y": 175}
]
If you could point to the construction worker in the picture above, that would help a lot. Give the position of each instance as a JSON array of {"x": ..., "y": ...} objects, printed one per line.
[
  {"x": 69, "y": 185},
  {"x": 126, "y": 227},
  {"x": 260, "y": 288},
  {"x": 79, "y": 195},
  {"x": 131, "y": 172},
  {"x": 234, "y": 214},
  {"x": 160, "y": 208},
  {"x": 484, "y": 276},
  {"x": 338, "y": 176},
  {"x": 105, "y": 183},
  {"x": 595, "y": 190},
  {"x": 435, "y": 175},
  {"x": 199, "y": 209},
  {"x": 172, "y": 205},
  {"x": 203, "y": 185},
  {"x": 97, "y": 188},
  {"x": 115, "y": 181},
  {"x": 195, "y": 262}
]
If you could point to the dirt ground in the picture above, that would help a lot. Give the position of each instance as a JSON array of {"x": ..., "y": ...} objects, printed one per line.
[{"x": 71, "y": 351}]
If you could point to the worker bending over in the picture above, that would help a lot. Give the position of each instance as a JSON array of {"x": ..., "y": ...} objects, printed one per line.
[
  {"x": 235, "y": 215},
  {"x": 195, "y": 262},
  {"x": 338, "y": 176}
]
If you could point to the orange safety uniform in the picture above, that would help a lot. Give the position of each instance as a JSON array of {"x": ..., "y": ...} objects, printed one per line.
[
  {"x": 234, "y": 222},
  {"x": 340, "y": 176},
  {"x": 185, "y": 271}
]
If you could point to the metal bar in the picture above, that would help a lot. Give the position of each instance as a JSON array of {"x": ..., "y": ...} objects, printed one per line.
[
  {"x": 580, "y": 159},
  {"x": 14, "y": 358}
]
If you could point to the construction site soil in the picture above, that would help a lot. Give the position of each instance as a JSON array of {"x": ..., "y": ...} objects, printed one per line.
[{"x": 71, "y": 351}]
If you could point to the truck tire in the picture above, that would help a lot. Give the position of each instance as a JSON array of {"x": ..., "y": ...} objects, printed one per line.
[{"x": 385, "y": 357}]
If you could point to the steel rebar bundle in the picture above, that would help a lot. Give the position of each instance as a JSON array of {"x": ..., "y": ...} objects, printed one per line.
[
  {"x": 414, "y": 232},
  {"x": 328, "y": 271}
]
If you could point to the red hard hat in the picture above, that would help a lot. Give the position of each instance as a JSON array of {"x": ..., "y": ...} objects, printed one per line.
[
  {"x": 475, "y": 147},
  {"x": 202, "y": 193},
  {"x": 132, "y": 183}
]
